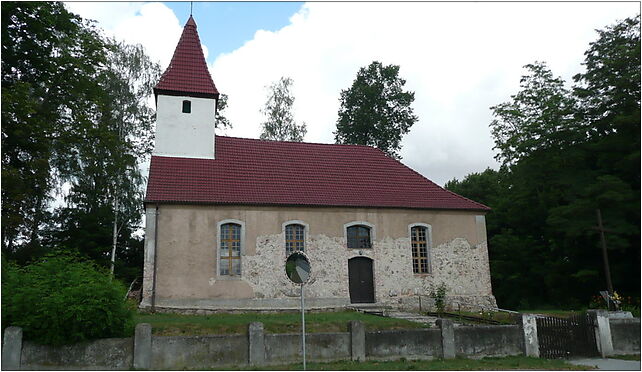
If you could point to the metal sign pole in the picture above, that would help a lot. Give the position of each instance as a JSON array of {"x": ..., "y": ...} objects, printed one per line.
[
  {"x": 303, "y": 324},
  {"x": 297, "y": 268}
]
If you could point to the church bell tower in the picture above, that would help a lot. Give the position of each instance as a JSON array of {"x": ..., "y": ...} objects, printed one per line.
[{"x": 186, "y": 99}]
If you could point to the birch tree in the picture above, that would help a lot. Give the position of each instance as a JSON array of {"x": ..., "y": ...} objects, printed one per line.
[{"x": 279, "y": 124}]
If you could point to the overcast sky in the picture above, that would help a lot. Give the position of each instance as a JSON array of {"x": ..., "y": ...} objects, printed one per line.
[{"x": 458, "y": 58}]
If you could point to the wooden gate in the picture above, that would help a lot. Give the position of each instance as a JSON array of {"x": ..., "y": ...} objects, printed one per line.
[{"x": 567, "y": 337}]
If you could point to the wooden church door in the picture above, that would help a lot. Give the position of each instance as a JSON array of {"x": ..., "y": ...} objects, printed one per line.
[{"x": 360, "y": 280}]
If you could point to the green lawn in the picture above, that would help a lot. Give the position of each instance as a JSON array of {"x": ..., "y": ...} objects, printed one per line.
[
  {"x": 176, "y": 325},
  {"x": 554, "y": 312},
  {"x": 500, "y": 316},
  {"x": 506, "y": 363}
]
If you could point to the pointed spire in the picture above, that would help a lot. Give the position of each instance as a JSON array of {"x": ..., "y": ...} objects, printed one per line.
[
  {"x": 187, "y": 73},
  {"x": 191, "y": 22}
]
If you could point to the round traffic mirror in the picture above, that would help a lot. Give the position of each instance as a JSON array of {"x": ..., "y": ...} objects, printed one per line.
[{"x": 297, "y": 268}]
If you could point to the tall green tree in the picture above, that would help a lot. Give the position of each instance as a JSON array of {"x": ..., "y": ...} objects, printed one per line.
[
  {"x": 566, "y": 153},
  {"x": 279, "y": 124},
  {"x": 375, "y": 110},
  {"x": 50, "y": 59},
  {"x": 102, "y": 174},
  {"x": 540, "y": 116},
  {"x": 76, "y": 125},
  {"x": 609, "y": 92}
]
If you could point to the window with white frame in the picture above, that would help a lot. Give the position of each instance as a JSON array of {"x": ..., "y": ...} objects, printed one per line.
[
  {"x": 358, "y": 236},
  {"x": 420, "y": 244},
  {"x": 294, "y": 238},
  {"x": 230, "y": 249}
]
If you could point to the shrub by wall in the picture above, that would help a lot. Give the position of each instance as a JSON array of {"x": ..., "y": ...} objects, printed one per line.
[{"x": 61, "y": 299}]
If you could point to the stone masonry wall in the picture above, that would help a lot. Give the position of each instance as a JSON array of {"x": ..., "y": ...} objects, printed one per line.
[{"x": 462, "y": 267}]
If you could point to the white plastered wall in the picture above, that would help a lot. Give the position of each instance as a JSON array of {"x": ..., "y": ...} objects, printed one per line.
[{"x": 189, "y": 135}]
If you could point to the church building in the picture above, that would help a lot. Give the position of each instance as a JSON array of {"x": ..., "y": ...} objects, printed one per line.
[{"x": 223, "y": 213}]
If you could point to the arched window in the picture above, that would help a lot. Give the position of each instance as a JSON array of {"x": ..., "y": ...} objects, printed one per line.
[
  {"x": 230, "y": 249},
  {"x": 187, "y": 106},
  {"x": 358, "y": 236},
  {"x": 294, "y": 238},
  {"x": 420, "y": 244}
]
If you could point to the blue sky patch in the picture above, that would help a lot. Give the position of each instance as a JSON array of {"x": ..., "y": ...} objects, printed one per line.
[{"x": 225, "y": 26}]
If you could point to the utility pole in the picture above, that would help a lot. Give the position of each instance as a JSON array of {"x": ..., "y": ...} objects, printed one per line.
[
  {"x": 303, "y": 323},
  {"x": 605, "y": 255}
]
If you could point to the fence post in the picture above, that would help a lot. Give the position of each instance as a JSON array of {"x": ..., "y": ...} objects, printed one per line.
[
  {"x": 447, "y": 338},
  {"x": 528, "y": 325},
  {"x": 602, "y": 332},
  {"x": 12, "y": 348},
  {"x": 357, "y": 340},
  {"x": 143, "y": 346},
  {"x": 256, "y": 343}
]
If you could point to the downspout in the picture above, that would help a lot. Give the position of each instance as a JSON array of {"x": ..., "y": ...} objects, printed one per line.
[{"x": 155, "y": 255}]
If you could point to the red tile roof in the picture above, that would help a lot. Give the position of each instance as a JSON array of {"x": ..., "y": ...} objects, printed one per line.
[
  {"x": 257, "y": 172},
  {"x": 187, "y": 73}
]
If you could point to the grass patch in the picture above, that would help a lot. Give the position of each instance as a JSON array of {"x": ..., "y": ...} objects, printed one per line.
[
  {"x": 626, "y": 357},
  {"x": 554, "y": 312},
  {"x": 499, "y": 316},
  {"x": 506, "y": 363},
  {"x": 315, "y": 322}
]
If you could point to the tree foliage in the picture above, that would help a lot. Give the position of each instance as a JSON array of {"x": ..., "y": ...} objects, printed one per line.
[
  {"x": 49, "y": 58},
  {"x": 375, "y": 110},
  {"x": 279, "y": 124},
  {"x": 540, "y": 116},
  {"x": 76, "y": 125},
  {"x": 221, "y": 120},
  {"x": 61, "y": 299},
  {"x": 566, "y": 153}
]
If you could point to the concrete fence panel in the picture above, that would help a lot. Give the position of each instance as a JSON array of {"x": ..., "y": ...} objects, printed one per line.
[
  {"x": 408, "y": 343},
  {"x": 106, "y": 353},
  {"x": 286, "y": 348},
  {"x": 479, "y": 341},
  {"x": 258, "y": 348},
  {"x": 198, "y": 352},
  {"x": 283, "y": 348},
  {"x": 328, "y": 346},
  {"x": 625, "y": 334}
]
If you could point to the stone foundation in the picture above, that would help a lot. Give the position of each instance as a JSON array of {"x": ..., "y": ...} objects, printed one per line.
[{"x": 412, "y": 304}]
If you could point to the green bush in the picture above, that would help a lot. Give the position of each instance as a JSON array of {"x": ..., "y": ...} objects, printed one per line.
[
  {"x": 438, "y": 294},
  {"x": 61, "y": 299}
]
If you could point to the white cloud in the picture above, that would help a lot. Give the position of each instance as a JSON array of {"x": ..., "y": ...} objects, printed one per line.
[
  {"x": 458, "y": 58},
  {"x": 153, "y": 25}
]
